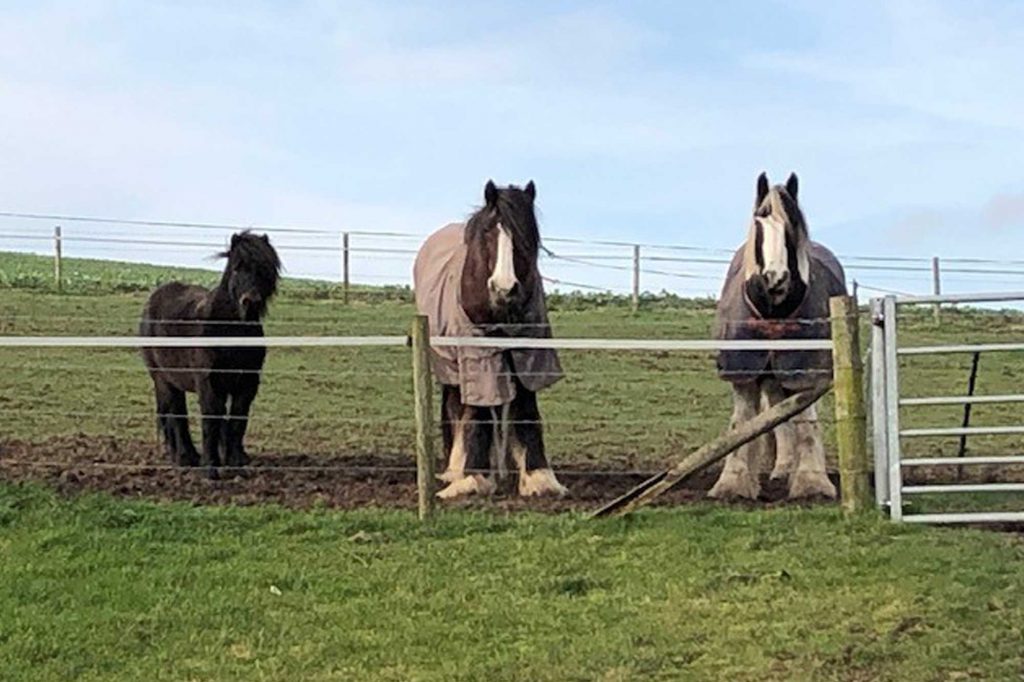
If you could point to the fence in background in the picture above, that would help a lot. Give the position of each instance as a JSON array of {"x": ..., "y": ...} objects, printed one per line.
[{"x": 570, "y": 263}]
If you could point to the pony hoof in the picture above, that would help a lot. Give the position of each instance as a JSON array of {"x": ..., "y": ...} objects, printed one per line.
[
  {"x": 467, "y": 485},
  {"x": 804, "y": 484},
  {"x": 731, "y": 486},
  {"x": 239, "y": 459},
  {"x": 540, "y": 482},
  {"x": 188, "y": 460}
]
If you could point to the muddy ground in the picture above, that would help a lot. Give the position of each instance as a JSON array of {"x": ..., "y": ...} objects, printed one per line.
[{"x": 135, "y": 469}]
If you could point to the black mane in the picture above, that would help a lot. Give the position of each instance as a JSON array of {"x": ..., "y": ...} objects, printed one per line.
[
  {"x": 254, "y": 254},
  {"x": 514, "y": 209}
]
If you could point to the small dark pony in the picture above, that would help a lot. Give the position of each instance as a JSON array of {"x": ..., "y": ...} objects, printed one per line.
[
  {"x": 219, "y": 376},
  {"x": 489, "y": 393}
]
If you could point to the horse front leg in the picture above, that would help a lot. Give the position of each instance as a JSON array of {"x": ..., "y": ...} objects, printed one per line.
[
  {"x": 786, "y": 456},
  {"x": 212, "y": 405},
  {"x": 810, "y": 478},
  {"x": 469, "y": 459},
  {"x": 739, "y": 477},
  {"x": 235, "y": 427},
  {"x": 527, "y": 443}
]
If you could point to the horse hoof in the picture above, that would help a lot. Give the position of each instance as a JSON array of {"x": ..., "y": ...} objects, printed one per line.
[
  {"x": 449, "y": 476},
  {"x": 188, "y": 460},
  {"x": 732, "y": 486},
  {"x": 239, "y": 459},
  {"x": 540, "y": 482},
  {"x": 467, "y": 485},
  {"x": 803, "y": 484},
  {"x": 213, "y": 473}
]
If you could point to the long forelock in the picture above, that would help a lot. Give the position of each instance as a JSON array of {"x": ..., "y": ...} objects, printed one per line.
[
  {"x": 257, "y": 256},
  {"x": 515, "y": 212}
]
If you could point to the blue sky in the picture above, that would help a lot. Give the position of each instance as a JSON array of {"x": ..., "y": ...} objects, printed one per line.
[{"x": 641, "y": 121}]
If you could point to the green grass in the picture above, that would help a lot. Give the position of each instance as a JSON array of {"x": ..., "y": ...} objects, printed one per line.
[
  {"x": 97, "y": 589},
  {"x": 93, "y": 588}
]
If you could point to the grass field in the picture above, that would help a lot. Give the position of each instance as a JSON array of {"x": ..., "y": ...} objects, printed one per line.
[{"x": 97, "y": 588}]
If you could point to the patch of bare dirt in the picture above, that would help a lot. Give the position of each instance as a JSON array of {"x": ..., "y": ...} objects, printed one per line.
[{"x": 134, "y": 469}]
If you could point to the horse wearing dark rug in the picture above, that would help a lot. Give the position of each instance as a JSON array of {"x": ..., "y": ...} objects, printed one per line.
[
  {"x": 481, "y": 279},
  {"x": 778, "y": 287},
  {"x": 226, "y": 379}
]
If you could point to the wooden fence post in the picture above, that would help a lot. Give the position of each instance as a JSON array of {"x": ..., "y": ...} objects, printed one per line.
[
  {"x": 423, "y": 390},
  {"x": 344, "y": 266},
  {"x": 58, "y": 253},
  {"x": 851, "y": 419},
  {"x": 636, "y": 277},
  {"x": 936, "y": 285}
]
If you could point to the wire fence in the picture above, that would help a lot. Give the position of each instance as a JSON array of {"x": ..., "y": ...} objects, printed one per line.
[
  {"x": 352, "y": 257},
  {"x": 355, "y": 411}
]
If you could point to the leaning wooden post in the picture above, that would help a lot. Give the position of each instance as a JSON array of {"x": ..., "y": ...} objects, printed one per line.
[
  {"x": 58, "y": 253},
  {"x": 851, "y": 419},
  {"x": 423, "y": 390},
  {"x": 712, "y": 451},
  {"x": 344, "y": 266},
  {"x": 936, "y": 285}
]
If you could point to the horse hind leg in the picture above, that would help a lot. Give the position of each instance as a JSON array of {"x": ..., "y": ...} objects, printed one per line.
[
  {"x": 527, "y": 445},
  {"x": 739, "y": 477},
  {"x": 471, "y": 444},
  {"x": 784, "y": 435},
  {"x": 810, "y": 478},
  {"x": 173, "y": 417}
]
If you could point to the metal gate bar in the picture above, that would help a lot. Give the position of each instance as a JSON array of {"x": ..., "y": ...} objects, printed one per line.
[{"x": 886, "y": 403}]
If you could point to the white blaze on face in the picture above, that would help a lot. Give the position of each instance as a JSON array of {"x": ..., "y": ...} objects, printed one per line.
[
  {"x": 773, "y": 247},
  {"x": 503, "y": 278}
]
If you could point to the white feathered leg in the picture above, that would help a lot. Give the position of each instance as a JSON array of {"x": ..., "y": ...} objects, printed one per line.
[
  {"x": 810, "y": 478},
  {"x": 739, "y": 475}
]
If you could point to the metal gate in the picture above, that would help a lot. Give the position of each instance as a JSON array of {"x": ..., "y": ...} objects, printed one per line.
[{"x": 886, "y": 401}]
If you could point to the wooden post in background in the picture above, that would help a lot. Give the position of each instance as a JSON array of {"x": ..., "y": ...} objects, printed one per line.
[
  {"x": 344, "y": 266},
  {"x": 936, "y": 284},
  {"x": 423, "y": 391},
  {"x": 636, "y": 277},
  {"x": 851, "y": 418},
  {"x": 58, "y": 255}
]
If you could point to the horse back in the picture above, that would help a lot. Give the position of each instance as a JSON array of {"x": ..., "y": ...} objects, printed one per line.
[{"x": 178, "y": 309}]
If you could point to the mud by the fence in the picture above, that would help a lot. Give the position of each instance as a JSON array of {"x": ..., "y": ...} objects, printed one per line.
[{"x": 139, "y": 470}]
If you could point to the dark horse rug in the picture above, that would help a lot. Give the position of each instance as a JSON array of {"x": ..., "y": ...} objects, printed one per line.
[
  {"x": 485, "y": 376},
  {"x": 738, "y": 319}
]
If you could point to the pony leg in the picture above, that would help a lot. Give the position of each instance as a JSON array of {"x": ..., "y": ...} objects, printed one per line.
[
  {"x": 527, "y": 444},
  {"x": 739, "y": 475},
  {"x": 810, "y": 478},
  {"x": 235, "y": 427},
  {"x": 473, "y": 434},
  {"x": 174, "y": 414},
  {"x": 212, "y": 404},
  {"x": 164, "y": 417}
]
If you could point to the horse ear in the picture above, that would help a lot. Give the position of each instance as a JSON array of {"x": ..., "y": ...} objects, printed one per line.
[
  {"x": 234, "y": 240},
  {"x": 265, "y": 238},
  {"x": 531, "y": 190},
  {"x": 762, "y": 188},
  {"x": 792, "y": 185},
  {"x": 490, "y": 193}
]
